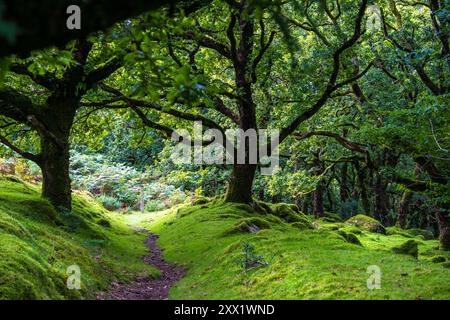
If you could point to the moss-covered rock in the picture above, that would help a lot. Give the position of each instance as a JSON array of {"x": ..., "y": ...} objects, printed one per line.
[
  {"x": 287, "y": 213},
  {"x": 409, "y": 247},
  {"x": 349, "y": 237},
  {"x": 366, "y": 223},
  {"x": 250, "y": 225}
]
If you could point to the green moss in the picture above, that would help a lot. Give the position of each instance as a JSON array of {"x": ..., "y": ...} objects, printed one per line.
[
  {"x": 200, "y": 200},
  {"x": 104, "y": 223},
  {"x": 39, "y": 243},
  {"x": 331, "y": 217},
  {"x": 366, "y": 223},
  {"x": 248, "y": 225},
  {"x": 409, "y": 247},
  {"x": 349, "y": 237},
  {"x": 301, "y": 225},
  {"x": 438, "y": 259},
  {"x": 330, "y": 226},
  {"x": 263, "y": 207},
  {"x": 351, "y": 229},
  {"x": 288, "y": 213},
  {"x": 410, "y": 233},
  {"x": 306, "y": 264},
  {"x": 426, "y": 234}
]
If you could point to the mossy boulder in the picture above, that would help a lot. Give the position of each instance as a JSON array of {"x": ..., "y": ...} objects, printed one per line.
[
  {"x": 248, "y": 225},
  {"x": 366, "y": 223},
  {"x": 409, "y": 247},
  {"x": 290, "y": 213},
  {"x": 349, "y": 237}
]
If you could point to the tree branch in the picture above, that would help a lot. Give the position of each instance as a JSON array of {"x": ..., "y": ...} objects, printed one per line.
[
  {"x": 103, "y": 72},
  {"x": 24, "y": 154},
  {"x": 341, "y": 140},
  {"x": 285, "y": 132},
  {"x": 22, "y": 69}
]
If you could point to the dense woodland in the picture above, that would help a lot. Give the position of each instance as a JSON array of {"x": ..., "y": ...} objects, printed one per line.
[{"x": 358, "y": 89}]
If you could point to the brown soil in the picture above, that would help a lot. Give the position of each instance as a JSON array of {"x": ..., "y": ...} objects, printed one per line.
[{"x": 147, "y": 288}]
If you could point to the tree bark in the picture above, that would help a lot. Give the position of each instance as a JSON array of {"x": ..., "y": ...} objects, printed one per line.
[
  {"x": 343, "y": 189},
  {"x": 360, "y": 180},
  {"x": 242, "y": 176},
  {"x": 318, "y": 201},
  {"x": 55, "y": 172},
  {"x": 403, "y": 209},
  {"x": 381, "y": 199},
  {"x": 240, "y": 184},
  {"x": 444, "y": 229},
  {"x": 54, "y": 131}
]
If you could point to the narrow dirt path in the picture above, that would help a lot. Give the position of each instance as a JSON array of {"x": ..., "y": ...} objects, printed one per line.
[{"x": 147, "y": 288}]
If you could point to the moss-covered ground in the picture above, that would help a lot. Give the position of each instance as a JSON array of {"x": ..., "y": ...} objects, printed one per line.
[
  {"x": 38, "y": 243},
  {"x": 295, "y": 257},
  {"x": 303, "y": 263}
]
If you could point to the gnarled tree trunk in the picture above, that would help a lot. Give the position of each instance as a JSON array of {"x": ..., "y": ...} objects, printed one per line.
[
  {"x": 360, "y": 181},
  {"x": 55, "y": 172},
  {"x": 318, "y": 200},
  {"x": 444, "y": 228},
  {"x": 240, "y": 184},
  {"x": 54, "y": 131},
  {"x": 403, "y": 209}
]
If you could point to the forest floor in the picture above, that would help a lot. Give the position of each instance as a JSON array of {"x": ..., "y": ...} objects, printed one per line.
[
  {"x": 147, "y": 288},
  {"x": 39, "y": 245},
  {"x": 291, "y": 256},
  {"x": 216, "y": 250}
]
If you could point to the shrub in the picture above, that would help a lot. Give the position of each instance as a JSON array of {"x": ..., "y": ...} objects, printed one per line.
[
  {"x": 110, "y": 203},
  {"x": 249, "y": 259},
  {"x": 154, "y": 205}
]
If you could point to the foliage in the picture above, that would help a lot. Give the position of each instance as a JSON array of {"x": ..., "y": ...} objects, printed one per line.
[{"x": 250, "y": 260}]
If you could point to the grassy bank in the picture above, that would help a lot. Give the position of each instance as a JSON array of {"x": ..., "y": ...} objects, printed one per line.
[
  {"x": 306, "y": 259},
  {"x": 38, "y": 244}
]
